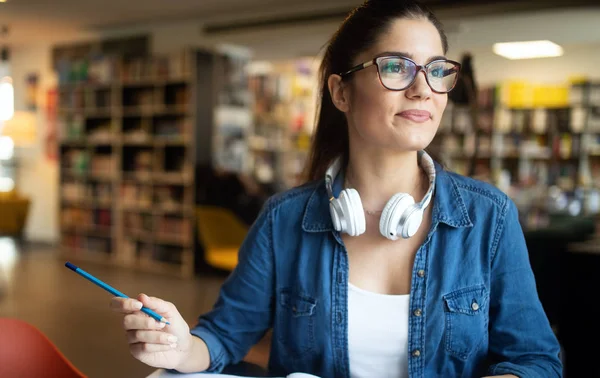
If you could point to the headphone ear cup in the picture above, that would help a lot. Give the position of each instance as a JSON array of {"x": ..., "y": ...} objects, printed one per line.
[
  {"x": 389, "y": 223},
  {"x": 412, "y": 222},
  {"x": 358, "y": 213},
  {"x": 336, "y": 216},
  {"x": 353, "y": 211},
  {"x": 346, "y": 207}
]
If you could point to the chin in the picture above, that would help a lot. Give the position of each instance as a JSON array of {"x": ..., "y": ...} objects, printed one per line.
[{"x": 415, "y": 142}]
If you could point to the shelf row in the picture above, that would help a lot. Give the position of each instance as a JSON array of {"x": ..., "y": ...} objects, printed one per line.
[
  {"x": 149, "y": 110},
  {"x": 166, "y": 126},
  {"x": 136, "y": 161},
  {"x": 557, "y": 146},
  {"x": 156, "y": 197},
  {"x": 458, "y": 120},
  {"x": 141, "y": 82},
  {"x": 139, "y": 96},
  {"x": 107, "y": 69},
  {"x": 169, "y": 229}
]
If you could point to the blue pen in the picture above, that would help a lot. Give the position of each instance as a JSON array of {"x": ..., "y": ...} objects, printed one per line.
[{"x": 112, "y": 290}]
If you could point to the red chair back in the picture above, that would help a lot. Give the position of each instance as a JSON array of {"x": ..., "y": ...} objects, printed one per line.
[{"x": 26, "y": 352}]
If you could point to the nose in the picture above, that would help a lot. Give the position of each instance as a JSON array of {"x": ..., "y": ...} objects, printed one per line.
[{"x": 420, "y": 89}]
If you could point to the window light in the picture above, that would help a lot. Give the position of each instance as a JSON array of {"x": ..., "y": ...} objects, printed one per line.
[
  {"x": 7, "y": 148},
  {"x": 528, "y": 49},
  {"x": 7, "y": 99},
  {"x": 6, "y": 184}
]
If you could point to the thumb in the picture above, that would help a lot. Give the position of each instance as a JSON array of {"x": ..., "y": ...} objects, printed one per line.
[{"x": 167, "y": 309}]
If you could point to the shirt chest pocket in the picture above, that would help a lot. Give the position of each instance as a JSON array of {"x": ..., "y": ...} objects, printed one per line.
[
  {"x": 466, "y": 316},
  {"x": 295, "y": 323}
]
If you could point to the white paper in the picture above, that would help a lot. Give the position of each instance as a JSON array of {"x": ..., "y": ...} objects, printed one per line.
[{"x": 165, "y": 374}]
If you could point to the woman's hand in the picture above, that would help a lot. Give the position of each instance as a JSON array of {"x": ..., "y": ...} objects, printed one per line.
[{"x": 154, "y": 343}]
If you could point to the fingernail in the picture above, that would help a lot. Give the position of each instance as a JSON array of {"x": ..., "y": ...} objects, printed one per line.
[
  {"x": 161, "y": 325},
  {"x": 173, "y": 346},
  {"x": 138, "y": 305},
  {"x": 172, "y": 339}
]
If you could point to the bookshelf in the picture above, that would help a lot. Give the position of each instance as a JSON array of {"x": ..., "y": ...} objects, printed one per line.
[
  {"x": 284, "y": 94},
  {"x": 532, "y": 142},
  {"x": 132, "y": 131}
]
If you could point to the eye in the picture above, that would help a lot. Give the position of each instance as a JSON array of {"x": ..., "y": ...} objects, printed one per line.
[
  {"x": 394, "y": 67},
  {"x": 438, "y": 71},
  {"x": 391, "y": 67}
]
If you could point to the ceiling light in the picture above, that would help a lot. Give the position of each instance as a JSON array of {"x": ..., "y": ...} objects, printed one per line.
[{"x": 528, "y": 50}]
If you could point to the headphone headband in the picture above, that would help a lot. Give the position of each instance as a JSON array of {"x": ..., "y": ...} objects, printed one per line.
[
  {"x": 424, "y": 159},
  {"x": 429, "y": 167},
  {"x": 331, "y": 174}
]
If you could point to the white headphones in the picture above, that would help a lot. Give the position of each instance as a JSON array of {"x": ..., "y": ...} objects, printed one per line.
[{"x": 401, "y": 216}]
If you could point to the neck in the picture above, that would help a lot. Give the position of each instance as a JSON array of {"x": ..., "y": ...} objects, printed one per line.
[{"x": 378, "y": 174}]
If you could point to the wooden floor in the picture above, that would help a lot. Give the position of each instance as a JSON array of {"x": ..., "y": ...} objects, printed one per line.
[{"x": 36, "y": 287}]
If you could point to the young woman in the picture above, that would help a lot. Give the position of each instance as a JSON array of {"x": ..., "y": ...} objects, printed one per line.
[{"x": 384, "y": 264}]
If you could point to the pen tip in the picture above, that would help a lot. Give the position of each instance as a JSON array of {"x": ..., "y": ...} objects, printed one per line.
[{"x": 164, "y": 320}]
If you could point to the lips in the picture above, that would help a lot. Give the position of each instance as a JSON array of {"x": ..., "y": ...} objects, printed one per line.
[{"x": 415, "y": 115}]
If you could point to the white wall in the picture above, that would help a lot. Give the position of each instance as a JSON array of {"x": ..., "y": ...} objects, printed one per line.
[
  {"x": 576, "y": 61},
  {"x": 578, "y": 31},
  {"x": 37, "y": 177}
]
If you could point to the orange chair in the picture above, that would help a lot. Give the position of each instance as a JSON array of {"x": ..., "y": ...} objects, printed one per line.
[
  {"x": 25, "y": 352},
  {"x": 14, "y": 209},
  {"x": 221, "y": 233}
]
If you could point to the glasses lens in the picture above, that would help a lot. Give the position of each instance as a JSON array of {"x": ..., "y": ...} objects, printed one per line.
[
  {"x": 396, "y": 73},
  {"x": 442, "y": 75}
]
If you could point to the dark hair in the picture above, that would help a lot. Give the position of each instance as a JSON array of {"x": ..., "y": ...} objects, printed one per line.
[{"x": 359, "y": 31}]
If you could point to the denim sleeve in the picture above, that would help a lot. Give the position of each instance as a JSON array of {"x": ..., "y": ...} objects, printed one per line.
[
  {"x": 521, "y": 339},
  {"x": 243, "y": 311}
]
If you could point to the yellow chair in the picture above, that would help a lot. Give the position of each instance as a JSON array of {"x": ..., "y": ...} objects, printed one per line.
[
  {"x": 221, "y": 233},
  {"x": 13, "y": 213}
]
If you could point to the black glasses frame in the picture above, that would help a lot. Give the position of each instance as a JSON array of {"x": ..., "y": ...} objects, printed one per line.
[{"x": 424, "y": 68}]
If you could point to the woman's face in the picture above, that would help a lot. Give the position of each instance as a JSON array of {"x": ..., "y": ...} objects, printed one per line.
[{"x": 404, "y": 120}]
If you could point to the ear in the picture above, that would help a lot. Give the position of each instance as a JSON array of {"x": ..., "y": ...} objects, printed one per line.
[{"x": 338, "y": 92}]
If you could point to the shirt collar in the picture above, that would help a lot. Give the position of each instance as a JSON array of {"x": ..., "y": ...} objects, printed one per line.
[{"x": 448, "y": 204}]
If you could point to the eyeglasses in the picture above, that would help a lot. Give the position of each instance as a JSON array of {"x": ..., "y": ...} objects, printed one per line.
[{"x": 397, "y": 73}]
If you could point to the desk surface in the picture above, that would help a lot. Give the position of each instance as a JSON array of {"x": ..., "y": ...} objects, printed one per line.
[{"x": 588, "y": 247}]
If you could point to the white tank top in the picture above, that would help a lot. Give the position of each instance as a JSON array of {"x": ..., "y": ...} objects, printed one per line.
[{"x": 377, "y": 334}]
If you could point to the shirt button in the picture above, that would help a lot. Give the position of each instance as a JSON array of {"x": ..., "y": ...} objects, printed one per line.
[
  {"x": 418, "y": 312},
  {"x": 416, "y": 353},
  {"x": 421, "y": 273},
  {"x": 475, "y": 306},
  {"x": 339, "y": 318}
]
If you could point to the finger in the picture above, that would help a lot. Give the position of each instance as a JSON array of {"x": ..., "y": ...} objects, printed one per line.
[
  {"x": 141, "y": 321},
  {"x": 125, "y": 305},
  {"x": 150, "y": 337},
  {"x": 167, "y": 309},
  {"x": 137, "y": 350}
]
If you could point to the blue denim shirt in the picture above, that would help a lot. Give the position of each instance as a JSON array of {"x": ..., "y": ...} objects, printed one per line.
[{"x": 472, "y": 282}]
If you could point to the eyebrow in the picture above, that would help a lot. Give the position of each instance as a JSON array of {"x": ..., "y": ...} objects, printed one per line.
[{"x": 409, "y": 55}]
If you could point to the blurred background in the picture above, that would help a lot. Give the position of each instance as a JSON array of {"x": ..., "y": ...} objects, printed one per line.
[{"x": 140, "y": 139}]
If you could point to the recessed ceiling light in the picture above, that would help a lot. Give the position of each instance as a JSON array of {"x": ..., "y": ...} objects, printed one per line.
[{"x": 528, "y": 49}]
